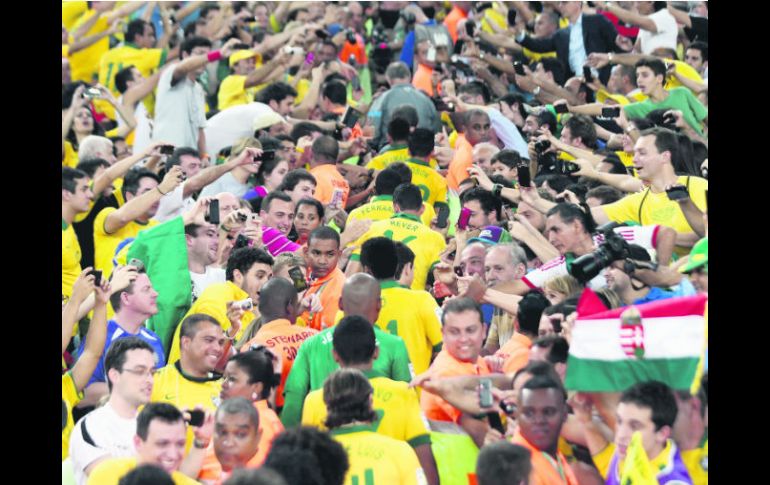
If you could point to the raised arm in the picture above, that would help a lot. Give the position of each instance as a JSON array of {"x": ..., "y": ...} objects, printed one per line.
[
  {"x": 210, "y": 174},
  {"x": 94, "y": 346},
  {"x": 81, "y": 289},
  {"x": 126, "y": 114},
  {"x": 629, "y": 17},
  {"x": 78, "y": 101},
  {"x": 142, "y": 203},
  {"x": 194, "y": 62},
  {"x": 680, "y": 16},
  {"x": 79, "y": 44}
]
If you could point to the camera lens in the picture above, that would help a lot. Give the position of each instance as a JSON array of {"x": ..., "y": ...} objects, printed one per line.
[{"x": 588, "y": 266}]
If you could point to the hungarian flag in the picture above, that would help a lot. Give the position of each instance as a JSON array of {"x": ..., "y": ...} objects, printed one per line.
[
  {"x": 163, "y": 250},
  {"x": 612, "y": 350}
]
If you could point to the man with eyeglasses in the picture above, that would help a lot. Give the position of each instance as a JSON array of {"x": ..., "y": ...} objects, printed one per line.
[
  {"x": 133, "y": 306},
  {"x": 108, "y": 431}
]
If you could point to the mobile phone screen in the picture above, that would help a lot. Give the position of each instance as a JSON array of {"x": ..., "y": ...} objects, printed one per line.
[
  {"x": 465, "y": 215},
  {"x": 213, "y": 215},
  {"x": 442, "y": 218},
  {"x": 561, "y": 108},
  {"x": 297, "y": 278},
  {"x": 511, "y": 16},
  {"x": 350, "y": 118},
  {"x": 196, "y": 417},
  {"x": 589, "y": 77},
  {"x": 611, "y": 112},
  {"x": 519, "y": 68},
  {"x": 523, "y": 173}
]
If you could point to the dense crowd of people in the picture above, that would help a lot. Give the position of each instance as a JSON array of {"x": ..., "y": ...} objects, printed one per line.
[{"x": 370, "y": 242}]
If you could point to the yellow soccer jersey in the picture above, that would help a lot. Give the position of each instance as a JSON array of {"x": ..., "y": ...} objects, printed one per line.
[
  {"x": 85, "y": 63},
  {"x": 413, "y": 316},
  {"x": 376, "y": 459},
  {"x": 697, "y": 463},
  {"x": 685, "y": 70},
  {"x": 106, "y": 244},
  {"x": 213, "y": 302},
  {"x": 70, "y": 258},
  {"x": 381, "y": 207},
  {"x": 647, "y": 208},
  {"x": 397, "y": 408},
  {"x": 396, "y": 153},
  {"x": 114, "y": 60},
  {"x": 111, "y": 471},
  {"x": 426, "y": 243},
  {"x": 186, "y": 392},
  {"x": 71, "y": 12},
  {"x": 71, "y": 397},
  {"x": 432, "y": 185},
  {"x": 70, "y": 156},
  {"x": 232, "y": 92}
]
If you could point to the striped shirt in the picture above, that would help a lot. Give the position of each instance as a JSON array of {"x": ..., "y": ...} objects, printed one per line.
[{"x": 276, "y": 243}]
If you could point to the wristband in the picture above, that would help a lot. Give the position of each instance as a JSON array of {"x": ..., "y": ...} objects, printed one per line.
[
  {"x": 214, "y": 56},
  {"x": 497, "y": 189},
  {"x": 536, "y": 91},
  {"x": 161, "y": 192},
  {"x": 200, "y": 445}
]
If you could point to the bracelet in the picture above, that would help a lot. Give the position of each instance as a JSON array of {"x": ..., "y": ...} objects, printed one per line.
[
  {"x": 214, "y": 56},
  {"x": 497, "y": 190},
  {"x": 536, "y": 91},
  {"x": 228, "y": 337},
  {"x": 609, "y": 57},
  {"x": 199, "y": 444},
  {"x": 161, "y": 192}
]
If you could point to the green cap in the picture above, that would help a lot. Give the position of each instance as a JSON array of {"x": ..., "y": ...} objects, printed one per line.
[{"x": 699, "y": 256}]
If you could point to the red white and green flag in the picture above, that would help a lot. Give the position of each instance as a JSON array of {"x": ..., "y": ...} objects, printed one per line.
[{"x": 611, "y": 350}]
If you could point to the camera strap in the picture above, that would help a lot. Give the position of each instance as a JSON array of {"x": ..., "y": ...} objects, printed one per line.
[{"x": 647, "y": 192}]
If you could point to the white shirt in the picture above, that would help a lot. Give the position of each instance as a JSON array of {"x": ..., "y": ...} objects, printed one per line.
[
  {"x": 225, "y": 128},
  {"x": 143, "y": 130},
  {"x": 179, "y": 110},
  {"x": 577, "y": 49},
  {"x": 225, "y": 183},
  {"x": 201, "y": 281},
  {"x": 113, "y": 436},
  {"x": 173, "y": 205},
  {"x": 666, "y": 35},
  {"x": 508, "y": 133}
]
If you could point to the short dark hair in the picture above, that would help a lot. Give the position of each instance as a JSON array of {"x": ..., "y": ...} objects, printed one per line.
[
  {"x": 319, "y": 208},
  {"x": 326, "y": 148},
  {"x": 179, "y": 152},
  {"x": 115, "y": 297},
  {"x": 277, "y": 91},
  {"x": 459, "y": 305},
  {"x": 702, "y": 47},
  {"x": 582, "y": 126},
  {"x": 147, "y": 474},
  {"x": 192, "y": 42},
  {"x": 189, "y": 326},
  {"x": 69, "y": 176},
  {"x": 310, "y": 448},
  {"x": 162, "y": 411},
  {"x": 243, "y": 259},
  {"x": 605, "y": 194},
  {"x": 503, "y": 463},
  {"x": 304, "y": 128},
  {"x": 570, "y": 212},
  {"x": 530, "y": 310},
  {"x": 556, "y": 68},
  {"x": 556, "y": 181},
  {"x": 134, "y": 176},
  {"x": 134, "y": 28},
  {"x": 548, "y": 119},
  {"x": 421, "y": 142},
  {"x": 380, "y": 257},
  {"x": 665, "y": 140},
  {"x": 408, "y": 197},
  {"x": 557, "y": 346},
  {"x": 509, "y": 158},
  {"x": 269, "y": 198},
  {"x": 354, "y": 340},
  {"x": 657, "y": 397},
  {"x": 115, "y": 357},
  {"x": 545, "y": 382},
  {"x": 387, "y": 181},
  {"x": 336, "y": 92},
  {"x": 405, "y": 256},
  {"x": 91, "y": 165},
  {"x": 294, "y": 177},
  {"x": 403, "y": 170},
  {"x": 324, "y": 233},
  {"x": 537, "y": 368},
  {"x": 398, "y": 129},
  {"x": 406, "y": 112},
  {"x": 488, "y": 202},
  {"x": 475, "y": 88},
  {"x": 346, "y": 394},
  {"x": 658, "y": 67},
  {"x": 259, "y": 476},
  {"x": 123, "y": 77}
]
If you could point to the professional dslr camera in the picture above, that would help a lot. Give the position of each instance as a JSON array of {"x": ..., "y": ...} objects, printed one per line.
[{"x": 614, "y": 248}]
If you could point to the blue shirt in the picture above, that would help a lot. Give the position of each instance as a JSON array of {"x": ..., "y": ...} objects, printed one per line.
[
  {"x": 685, "y": 288},
  {"x": 577, "y": 50},
  {"x": 116, "y": 332}
]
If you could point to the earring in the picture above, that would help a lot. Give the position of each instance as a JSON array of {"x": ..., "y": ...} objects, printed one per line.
[{"x": 254, "y": 396}]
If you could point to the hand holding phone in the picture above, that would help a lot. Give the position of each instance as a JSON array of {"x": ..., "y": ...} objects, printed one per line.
[
  {"x": 465, "y": 216},
  {"x": 485, "y": 393},
  {"x": 610, "y": 111},
  {"x": 587, "y": 74},
  {"x": 442, "y": 217},
  {"x": 677, "y": 192},
  {"x": 97, "y": 276},
  {"x": 300, "y": 284},
  {"x": 561, "y": 108},
  {"x": 519, "y": 68},
  {"x": 166, "y": 149},
  {"x": 511, "y": 16},
  {"x": 523, "y": 174},
  {"x": 197, "y": 416}
]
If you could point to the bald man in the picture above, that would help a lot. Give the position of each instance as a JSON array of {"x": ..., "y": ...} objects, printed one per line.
[
  {"x": 315, "y": 362},
  {"x": 279, "y": 307}
]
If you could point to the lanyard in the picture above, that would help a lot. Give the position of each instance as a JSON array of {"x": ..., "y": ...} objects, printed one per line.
[{"x": 556, "y": 465}]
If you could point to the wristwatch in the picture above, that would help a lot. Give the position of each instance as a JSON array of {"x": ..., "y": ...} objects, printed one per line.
[
  {"x": 536, "y": 91},
  {"x": 481, "y": 56},
  {"x": 497, "y": 189},
  {"x": 200, "y": 445}
]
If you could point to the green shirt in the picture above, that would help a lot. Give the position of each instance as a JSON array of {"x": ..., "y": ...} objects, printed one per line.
[
  {"x": 678, "y": 98},
  {"x": 314, "y": 363}
]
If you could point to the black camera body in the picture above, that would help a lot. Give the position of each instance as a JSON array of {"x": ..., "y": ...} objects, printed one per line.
[
  {"x": 542, "y": 146},
  {"x": 350, "y": 36},
  {"x": 614, "y": 248}
]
